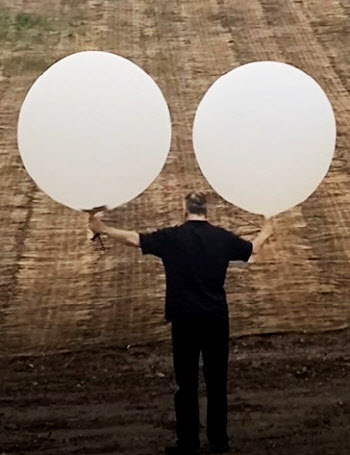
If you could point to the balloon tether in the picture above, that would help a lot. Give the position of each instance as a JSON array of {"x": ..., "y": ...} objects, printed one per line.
[{"x": 98, "y": 236}]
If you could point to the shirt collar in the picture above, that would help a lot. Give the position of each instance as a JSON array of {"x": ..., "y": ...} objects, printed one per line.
[{"x": 197, "y": 221}]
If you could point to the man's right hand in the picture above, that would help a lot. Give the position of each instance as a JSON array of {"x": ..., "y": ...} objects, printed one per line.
[{"x": 95, "y": 222}]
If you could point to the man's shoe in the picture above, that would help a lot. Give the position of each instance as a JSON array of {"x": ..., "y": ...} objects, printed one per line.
[
  {"x": 176, "y": 450},
  {"x": 220, "y": 448}
]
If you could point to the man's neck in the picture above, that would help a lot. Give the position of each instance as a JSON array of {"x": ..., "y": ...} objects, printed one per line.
[{"x": 192, "y": 217}]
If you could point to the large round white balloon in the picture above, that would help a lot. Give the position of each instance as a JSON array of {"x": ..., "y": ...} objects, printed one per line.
[
  {"x": 94, "y": 130},
  {"x": 264, "y": 136}
]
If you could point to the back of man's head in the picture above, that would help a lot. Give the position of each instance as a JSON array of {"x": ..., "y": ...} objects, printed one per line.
[{"x": 196, "y": 203}]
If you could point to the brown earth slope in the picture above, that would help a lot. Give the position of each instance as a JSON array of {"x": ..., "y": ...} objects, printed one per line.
[{"x": 56, "y": 291}]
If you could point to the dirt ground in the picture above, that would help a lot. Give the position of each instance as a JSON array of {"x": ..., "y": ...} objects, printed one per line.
[{"x": 287, "y": 394}]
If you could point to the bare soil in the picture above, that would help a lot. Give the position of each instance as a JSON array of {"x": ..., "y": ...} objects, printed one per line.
[{"x": 288, "y": 393}]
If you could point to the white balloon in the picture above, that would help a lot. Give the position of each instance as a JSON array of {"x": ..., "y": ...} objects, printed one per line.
[
  {"x": 264, "y": 136},
  {"x": 94, "y": 130}
]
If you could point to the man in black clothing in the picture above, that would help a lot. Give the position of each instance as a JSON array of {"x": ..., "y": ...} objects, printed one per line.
[{"x": 195, "y": 255}]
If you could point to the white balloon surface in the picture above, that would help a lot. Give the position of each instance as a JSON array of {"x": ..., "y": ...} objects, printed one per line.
[
  {"x": 94, "y": 130},
  {"x": 264, "y": 136}
]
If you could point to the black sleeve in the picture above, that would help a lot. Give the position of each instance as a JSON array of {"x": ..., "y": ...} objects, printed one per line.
[
  {"x": 154, "y": 243},
  {"x": 240, "y": 249}
]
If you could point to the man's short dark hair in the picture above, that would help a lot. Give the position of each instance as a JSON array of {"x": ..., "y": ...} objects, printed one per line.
[{"x": 196, "y": 203}]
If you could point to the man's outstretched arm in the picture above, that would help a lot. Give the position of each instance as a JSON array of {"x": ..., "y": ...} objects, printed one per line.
[{"x": 97, "y": 226}]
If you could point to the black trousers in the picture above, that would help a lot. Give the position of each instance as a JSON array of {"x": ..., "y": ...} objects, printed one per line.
[{"x": 209, "y": 335}]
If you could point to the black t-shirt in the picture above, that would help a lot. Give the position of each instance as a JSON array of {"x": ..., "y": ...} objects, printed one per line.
[{"x": 195, "y": 256}]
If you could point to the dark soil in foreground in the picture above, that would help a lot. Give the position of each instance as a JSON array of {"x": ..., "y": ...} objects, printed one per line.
[{"x": 288, "y": 394}]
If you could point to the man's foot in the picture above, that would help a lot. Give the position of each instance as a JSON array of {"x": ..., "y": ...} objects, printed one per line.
[
  {"x": 176, "y": 450},
  {"x": 220, "y": 448}
]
